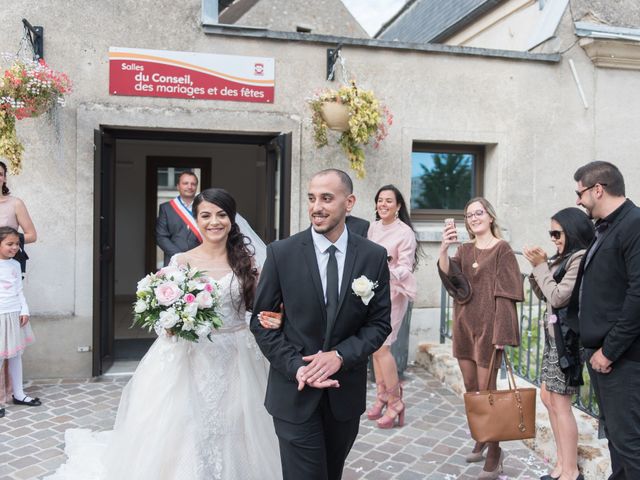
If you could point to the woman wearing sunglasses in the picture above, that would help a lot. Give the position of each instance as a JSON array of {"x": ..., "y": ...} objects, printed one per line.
[
  {"x": 486, "y": 318},
  {"x": 553, "y": 280}
]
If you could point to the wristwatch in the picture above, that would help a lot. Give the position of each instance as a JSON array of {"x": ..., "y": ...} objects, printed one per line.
[{"x": 339, "y": 355}]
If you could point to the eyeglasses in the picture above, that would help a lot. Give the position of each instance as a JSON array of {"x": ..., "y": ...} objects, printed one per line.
[
  {"x": 580, "y": 192},
  {"x": 555, "y": 234},
  {"x": 477, "y": 213}
]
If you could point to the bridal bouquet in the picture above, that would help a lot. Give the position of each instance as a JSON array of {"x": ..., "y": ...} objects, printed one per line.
[{"x": 179, "y": 301}]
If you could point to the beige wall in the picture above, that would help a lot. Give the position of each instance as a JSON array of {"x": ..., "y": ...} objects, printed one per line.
[{"x": 529, "y": 114}]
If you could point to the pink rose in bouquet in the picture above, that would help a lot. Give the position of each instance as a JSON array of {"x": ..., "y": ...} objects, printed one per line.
[{"x": 167, "y": 293}]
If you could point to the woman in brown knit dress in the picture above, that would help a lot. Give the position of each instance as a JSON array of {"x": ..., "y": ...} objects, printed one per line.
[{"x": 487, "y": 319}]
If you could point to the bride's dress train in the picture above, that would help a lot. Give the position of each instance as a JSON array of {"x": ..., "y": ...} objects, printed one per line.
[{"x": 190, "y": 411}]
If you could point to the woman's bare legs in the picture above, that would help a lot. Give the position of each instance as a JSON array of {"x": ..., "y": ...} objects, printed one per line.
[
  {"x": 484, "y": 374},
  {"x": 545, "y": 396}
]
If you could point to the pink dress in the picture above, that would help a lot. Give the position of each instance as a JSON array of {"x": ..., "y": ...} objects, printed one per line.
[{"x": 400, "y": 242}]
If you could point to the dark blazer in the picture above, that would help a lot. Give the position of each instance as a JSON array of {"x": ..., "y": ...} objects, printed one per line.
[
  {"x": 172, "y": 234},
  {"x": 609, "y": 311},
  {"x": 290, "y": 275},
  {"x": 357, "y": 225}
]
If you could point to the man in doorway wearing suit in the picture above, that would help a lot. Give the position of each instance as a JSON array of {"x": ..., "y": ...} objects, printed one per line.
[
  {"x": 607, "y": 294},
  {"x": 176, "y": 228},
  {"x": 331, "y": 324}
]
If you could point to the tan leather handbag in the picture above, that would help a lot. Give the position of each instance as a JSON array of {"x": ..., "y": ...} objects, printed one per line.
[{"x": 501, "y": 415}]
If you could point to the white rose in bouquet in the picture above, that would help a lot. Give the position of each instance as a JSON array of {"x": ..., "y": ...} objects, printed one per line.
[
  {"x": 144, "y": 285},
  {"x": 203, "y": 330},
  {"x": 191, "y": 309},
  {"x": 204, "y": 299},
  {"x": 168, "y": 318},
  {"x": 140, "y": 306},
  {"x": 173, "y": 273}
]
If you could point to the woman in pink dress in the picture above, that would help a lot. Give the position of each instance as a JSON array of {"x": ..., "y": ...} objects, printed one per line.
[{"x": 394, "y": 231}]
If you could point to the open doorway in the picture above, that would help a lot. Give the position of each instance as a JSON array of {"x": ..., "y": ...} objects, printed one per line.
[{"x": 136, "y": 170}]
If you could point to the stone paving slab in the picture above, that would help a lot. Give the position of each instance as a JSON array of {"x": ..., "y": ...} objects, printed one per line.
[{"x": 432, "y": 444}]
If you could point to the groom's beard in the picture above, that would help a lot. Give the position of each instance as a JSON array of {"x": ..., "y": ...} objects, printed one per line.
[{"x": 328, "y": 226}]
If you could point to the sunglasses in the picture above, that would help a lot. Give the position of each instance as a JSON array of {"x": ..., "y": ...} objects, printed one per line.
[
  {"x": 580, "y": 192},
  {"x": 555, "y": 234}
]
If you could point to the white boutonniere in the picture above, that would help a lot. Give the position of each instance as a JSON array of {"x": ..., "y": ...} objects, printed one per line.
[{"x": 363, "y": 288}]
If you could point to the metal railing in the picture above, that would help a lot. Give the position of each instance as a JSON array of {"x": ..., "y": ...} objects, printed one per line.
[{"x": 526, "y": 358}]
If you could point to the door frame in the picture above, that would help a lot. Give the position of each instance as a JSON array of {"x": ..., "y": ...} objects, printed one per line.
[{"x": 104, "y": 211}]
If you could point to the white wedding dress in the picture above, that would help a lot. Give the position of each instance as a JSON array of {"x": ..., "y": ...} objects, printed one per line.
[{"x": 191, "y": 411}]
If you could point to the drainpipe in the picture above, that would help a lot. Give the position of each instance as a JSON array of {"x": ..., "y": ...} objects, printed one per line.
[{"x": 209, "y": 12}]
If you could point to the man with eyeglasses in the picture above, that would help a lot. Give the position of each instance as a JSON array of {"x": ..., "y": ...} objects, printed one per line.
[{"x": 606, "y": 306}]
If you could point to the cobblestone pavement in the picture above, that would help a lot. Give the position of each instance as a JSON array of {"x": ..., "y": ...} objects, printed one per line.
[{"x": 431, "y": 445}]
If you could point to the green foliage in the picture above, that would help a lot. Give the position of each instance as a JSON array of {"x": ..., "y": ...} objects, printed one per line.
[{"x": 447, "y": 185}]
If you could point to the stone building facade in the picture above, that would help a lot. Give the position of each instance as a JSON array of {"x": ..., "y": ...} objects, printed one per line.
[{"x": 525, "y": 110}]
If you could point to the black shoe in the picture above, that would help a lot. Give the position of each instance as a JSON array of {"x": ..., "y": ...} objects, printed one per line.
[
  {"x": 1, "y": 412},
  {"x": 34, "y": 402},
  {"x": 549, "y": 477}
]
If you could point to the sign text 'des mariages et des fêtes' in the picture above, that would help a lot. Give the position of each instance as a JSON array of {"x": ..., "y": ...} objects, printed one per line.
[{"x": 202, "y": 76}]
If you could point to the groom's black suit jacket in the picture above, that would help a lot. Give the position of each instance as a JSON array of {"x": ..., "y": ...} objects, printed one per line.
[{"x": 290, "y": 275}]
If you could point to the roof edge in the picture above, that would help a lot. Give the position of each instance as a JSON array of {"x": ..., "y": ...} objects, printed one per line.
[
  {"x": 597, "y": 30},
  {"x": 468, "y": 19},
  {"x": 332, "y": 40},
  {"x": 397, "y": 15}
]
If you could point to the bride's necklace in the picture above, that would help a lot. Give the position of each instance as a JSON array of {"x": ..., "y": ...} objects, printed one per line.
[{"x": 477, "y": 247}]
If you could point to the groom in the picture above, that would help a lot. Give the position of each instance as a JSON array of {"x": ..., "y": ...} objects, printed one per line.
[{"x": 318, "y": 375}]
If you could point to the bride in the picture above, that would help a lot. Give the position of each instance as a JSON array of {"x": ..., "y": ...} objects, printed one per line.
[{"x": 193, "y": 410}]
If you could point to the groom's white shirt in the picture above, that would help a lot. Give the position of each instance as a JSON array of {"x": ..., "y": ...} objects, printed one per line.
[{"x": 321, "y": 244}]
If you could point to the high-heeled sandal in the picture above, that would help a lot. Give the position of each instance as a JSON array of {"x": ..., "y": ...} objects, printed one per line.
[
  {"x": 493, "y": 474},
  {"x": 395, "y": 409},
  {"x": 381, "y": 401}
]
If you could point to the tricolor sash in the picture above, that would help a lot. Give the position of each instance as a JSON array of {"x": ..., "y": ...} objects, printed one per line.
[{"x": 186, "y": 216}]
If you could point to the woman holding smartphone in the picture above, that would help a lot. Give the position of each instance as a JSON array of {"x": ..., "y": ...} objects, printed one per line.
[
  {"x": 486, "y": 319},
  {"x": 553, "y": 280},
  {"x": 394, "y": 231}
]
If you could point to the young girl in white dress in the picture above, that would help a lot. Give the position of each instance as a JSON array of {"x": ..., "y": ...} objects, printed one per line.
[
  {"x": 193, "y": 411},
  {"x": 15, "y": 331}
]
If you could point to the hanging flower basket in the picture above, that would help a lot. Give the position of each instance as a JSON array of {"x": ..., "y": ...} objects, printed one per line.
[
  {"x": 366, "y": 119},
  {"x": 27, "y": 89},
  {"x": 335, "y": 115}
]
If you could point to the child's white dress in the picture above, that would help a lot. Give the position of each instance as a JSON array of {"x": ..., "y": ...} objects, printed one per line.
[{"x": 13, "y": 338}]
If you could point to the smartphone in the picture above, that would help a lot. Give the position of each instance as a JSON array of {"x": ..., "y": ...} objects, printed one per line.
[{"x": 451, "y": 221}]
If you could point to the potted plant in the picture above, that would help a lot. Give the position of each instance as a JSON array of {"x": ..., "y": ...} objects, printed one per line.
[
  {"x": 357, "y": 114},
  {"x": 27, "y": 89}
]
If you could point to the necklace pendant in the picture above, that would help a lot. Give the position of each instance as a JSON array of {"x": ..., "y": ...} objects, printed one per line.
[{"x": 474, "y": 264}]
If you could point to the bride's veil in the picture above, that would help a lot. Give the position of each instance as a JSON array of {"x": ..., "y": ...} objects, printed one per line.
[{"x": 258, "y": 245}]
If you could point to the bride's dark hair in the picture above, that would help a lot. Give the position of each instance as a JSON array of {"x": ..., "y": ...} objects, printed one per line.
[{"x": 240, "y": 251}]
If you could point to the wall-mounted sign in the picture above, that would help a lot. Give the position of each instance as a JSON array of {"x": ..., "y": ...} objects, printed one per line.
[{"x": 203, "y": 76}]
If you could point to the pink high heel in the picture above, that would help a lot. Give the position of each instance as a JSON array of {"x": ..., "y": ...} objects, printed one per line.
[
  {"x": 395, "y": 409},
  {"x": 381, "y": 401}
]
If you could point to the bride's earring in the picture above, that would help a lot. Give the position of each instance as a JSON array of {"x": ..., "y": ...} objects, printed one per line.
[{"x": 396, "y": 214}]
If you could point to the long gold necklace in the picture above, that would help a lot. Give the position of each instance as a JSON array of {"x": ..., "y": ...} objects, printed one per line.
[{"x": 475, "y": 254}]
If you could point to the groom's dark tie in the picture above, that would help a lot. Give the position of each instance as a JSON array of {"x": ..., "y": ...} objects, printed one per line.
[{"x": 332, "y": 291}]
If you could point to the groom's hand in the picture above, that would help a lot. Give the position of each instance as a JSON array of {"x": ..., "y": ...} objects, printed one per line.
[
  {"x": 322, "y": 366},
  {"x": 300, "y": 375}
]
